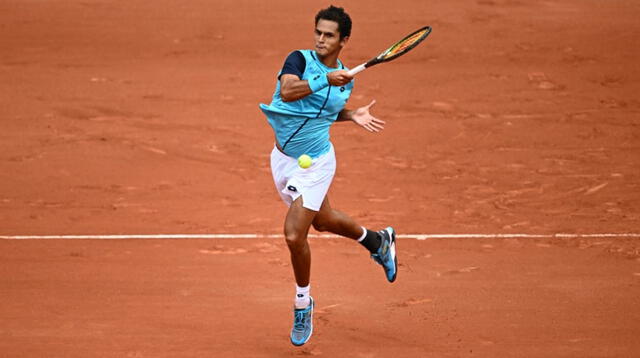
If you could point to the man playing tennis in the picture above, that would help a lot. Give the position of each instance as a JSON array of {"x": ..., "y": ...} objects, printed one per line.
[{"x": 311, "y": 92}]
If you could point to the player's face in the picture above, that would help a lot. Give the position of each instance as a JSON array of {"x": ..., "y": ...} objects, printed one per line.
[{"x": 327, "y": 37}]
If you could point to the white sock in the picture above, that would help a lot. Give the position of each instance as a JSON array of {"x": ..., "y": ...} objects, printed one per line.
[
  {"x": 364, "y": 234},
  {"x": 302, "y": 297}
]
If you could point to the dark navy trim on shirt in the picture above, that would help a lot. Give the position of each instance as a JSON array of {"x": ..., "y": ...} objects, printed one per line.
[{"x": 295, "y": 64}]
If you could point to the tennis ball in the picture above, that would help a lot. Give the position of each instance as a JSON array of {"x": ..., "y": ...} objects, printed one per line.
[{"x": 304, "y": 161}]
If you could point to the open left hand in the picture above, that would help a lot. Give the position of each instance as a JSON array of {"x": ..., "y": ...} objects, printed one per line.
[{"x": 364, "y": 119}]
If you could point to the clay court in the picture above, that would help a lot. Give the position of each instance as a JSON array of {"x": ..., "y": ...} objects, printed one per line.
[{"x": 510, "y": 165}]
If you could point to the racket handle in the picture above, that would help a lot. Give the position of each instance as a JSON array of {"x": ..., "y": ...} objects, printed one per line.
[{"x": 356, "y": 69}]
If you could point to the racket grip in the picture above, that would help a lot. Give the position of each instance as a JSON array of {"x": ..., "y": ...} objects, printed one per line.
[{"x": 356, "y": 69}]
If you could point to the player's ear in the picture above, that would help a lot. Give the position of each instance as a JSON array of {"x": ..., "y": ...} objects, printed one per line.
[{"x": 344, "y": 41}]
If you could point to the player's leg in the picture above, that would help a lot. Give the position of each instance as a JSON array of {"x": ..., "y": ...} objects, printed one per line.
[
  {"x": 336, "y": 222},
  {"x": 381, "y": 244},
  {"x": 296, "y": 228}
]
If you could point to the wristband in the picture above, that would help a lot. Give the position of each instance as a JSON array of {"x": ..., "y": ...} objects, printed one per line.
[{"x": 318, "y": 82}]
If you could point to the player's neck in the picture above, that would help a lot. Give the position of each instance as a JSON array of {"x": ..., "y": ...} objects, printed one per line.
[{"x": 330, "y": 61}]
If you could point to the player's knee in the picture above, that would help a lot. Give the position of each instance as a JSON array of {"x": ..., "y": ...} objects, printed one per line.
[
  {"x": 294, "y": 240},
  {"x": 319, "y": 226},
  {"x": 321, "y": 223}
]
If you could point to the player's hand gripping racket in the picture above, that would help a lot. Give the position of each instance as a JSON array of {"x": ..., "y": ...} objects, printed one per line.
[{"x": 398, "y": 49}]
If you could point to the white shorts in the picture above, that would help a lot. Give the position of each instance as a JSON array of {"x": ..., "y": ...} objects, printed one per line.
[{"x": 312, "y": 183}]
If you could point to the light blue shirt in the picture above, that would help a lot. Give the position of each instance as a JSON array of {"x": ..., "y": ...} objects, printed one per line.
[{"x": 302, "y": 126}]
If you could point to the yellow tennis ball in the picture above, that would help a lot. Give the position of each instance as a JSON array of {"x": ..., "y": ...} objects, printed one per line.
[{"x": 304, "y": 161}]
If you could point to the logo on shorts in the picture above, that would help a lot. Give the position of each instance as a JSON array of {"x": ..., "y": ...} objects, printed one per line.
[{"x": 292, "y": 188}]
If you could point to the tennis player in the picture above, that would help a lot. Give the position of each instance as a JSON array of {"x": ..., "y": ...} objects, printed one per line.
[{"x": 311, "y": 92}]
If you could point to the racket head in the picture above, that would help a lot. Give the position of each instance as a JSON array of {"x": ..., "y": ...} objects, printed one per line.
[{"x": 405, "y": 45}]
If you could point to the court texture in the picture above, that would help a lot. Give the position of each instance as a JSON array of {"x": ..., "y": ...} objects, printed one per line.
[{"x": 138, "y": 217}]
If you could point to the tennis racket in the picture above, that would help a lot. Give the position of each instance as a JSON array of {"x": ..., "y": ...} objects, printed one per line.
[{"x": 398, "y": 49}]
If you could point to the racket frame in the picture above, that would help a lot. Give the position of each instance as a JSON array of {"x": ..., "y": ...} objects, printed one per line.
[{"x": 381, "y": 57}]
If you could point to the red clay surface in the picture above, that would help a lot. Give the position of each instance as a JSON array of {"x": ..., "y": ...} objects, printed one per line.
[{"x": 142, "y": 118}]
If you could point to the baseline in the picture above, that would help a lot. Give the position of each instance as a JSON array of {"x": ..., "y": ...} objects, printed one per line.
[{"x": 318, "y": 236}]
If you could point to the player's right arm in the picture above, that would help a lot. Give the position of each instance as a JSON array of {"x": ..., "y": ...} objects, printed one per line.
[{"x": 292, "y": 88}]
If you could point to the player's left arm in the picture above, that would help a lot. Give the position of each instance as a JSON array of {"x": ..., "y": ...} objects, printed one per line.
[{"x": 362, "y": 117}]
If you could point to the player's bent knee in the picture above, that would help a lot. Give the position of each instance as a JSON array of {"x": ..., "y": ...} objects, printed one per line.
[
  {"x": 325, "y": 220},
  {"x": 319, "y": 226},
  {"x": 294, "y": 240},
  {"x": 321, "y": 223}
]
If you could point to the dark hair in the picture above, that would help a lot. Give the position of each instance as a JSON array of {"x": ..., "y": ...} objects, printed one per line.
[{"x": 338, "y": 15}]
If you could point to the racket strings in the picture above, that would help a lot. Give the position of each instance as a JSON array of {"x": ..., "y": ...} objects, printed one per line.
[{"x": 405, "y": 43}]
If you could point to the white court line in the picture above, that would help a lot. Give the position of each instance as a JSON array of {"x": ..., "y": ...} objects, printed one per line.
[{"x": 278, "y": 236}]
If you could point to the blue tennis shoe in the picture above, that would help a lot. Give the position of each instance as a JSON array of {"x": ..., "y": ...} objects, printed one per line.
[
  {"x": 302, "y": 325},
  {"x": 386, "y": 255}
]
